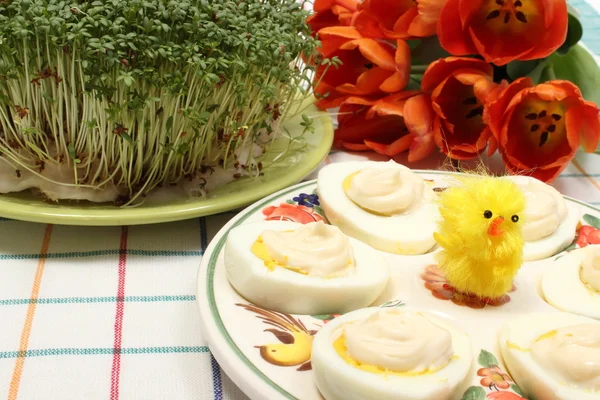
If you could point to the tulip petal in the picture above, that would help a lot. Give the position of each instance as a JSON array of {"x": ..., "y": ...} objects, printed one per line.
[
  {"x": 354, "y": 146},
  {"x": 499, "y": 52},
  {"x": 493, "y": 113},
  {"x": 419, "y": 115},
  {"x": 556, "y": 23},
  {"x": 327, "y": 96},
  {"x": 403, "y": 23},
  {"x": 468, "y": 9},
  {"x": 584, "y": 121},
  {"x": 442, "y": 68},
  {"x": 334, "y": 37},
  {"x": 450, "y": 32},
  {"x": 425, "y": 23},
  {"x": 398, "y": 146},
  {"x": 379, "y": 53},
  {"x": 356, "y": 127},
  {"x": 368, "y": 25},
  {"x": 400, "y": 78},
  {"x": 367, "y": 83}
]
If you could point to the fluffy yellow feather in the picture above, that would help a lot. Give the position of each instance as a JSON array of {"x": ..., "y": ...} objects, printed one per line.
[{"x": 480, "y": 234}]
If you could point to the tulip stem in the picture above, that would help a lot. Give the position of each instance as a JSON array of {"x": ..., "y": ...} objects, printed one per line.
[
  {"x": 418, "y": 69},
  {"x": 550, "y": 72}
]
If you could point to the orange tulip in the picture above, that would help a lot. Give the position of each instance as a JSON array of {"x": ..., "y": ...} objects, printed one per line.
[
  {"x": 503, "y": 30},
  {"x": 331, "y": 13},
  {"x": 398, "y": 19},
  {"x": 458, "y": 88},
  {"x": 389, "y": 126},
  {"x": 369, "y": 67},
  {"x": 540, "y": 128}
]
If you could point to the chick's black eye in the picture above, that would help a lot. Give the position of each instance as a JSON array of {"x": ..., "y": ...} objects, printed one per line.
[
  {"x": 515, "y": 218},
  {"x": 488, "y": 214}
]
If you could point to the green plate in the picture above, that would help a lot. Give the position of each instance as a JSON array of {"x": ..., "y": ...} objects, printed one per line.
[{"x": 298, "y": 163}]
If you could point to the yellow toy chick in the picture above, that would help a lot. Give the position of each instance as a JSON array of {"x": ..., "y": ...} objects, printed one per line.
[{"x": 480, "y": 235}]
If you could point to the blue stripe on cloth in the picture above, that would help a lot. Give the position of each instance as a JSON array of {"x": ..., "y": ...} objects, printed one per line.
[
  {"x": 97, "y": 253},
  {"x": 590, "y": 19},
  {"x": 103, "y": 351},
  {"x": 217, "y": 383},
  {"x": 88, "y": 300}
]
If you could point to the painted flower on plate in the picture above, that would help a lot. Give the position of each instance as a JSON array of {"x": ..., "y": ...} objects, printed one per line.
[
  {"x": 292, "y": 212},
  {"x": 494, "y": 377}
]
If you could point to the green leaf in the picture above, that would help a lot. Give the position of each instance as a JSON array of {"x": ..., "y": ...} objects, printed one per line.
[
  {"x": 72, "y": 153},
  {"x": 323, "y": 317},
  {"x": 474, "y": 393},
  {"x": 575, "y": 32},
  {"x": 579, "y": 67},
  {"x": 428, "y": 51},
  {"x": 518, "y": 69},
  {"x": 517, "y": 390},
  {"x": 127, "y": 138},
  {"x": 169, "y": 124},
  {"x": 592, "y": 221},
  {"x": 486, "y": 358}
]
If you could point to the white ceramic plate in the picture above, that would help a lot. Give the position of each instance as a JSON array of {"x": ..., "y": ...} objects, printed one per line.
[{"x": 236, "y": 334}]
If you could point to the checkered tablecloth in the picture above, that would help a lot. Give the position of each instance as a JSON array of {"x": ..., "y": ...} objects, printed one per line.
[{"x": 110, "y": 313}]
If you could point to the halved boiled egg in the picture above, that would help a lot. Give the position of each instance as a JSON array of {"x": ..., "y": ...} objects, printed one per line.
[
  {"x": 391, "y": 353},
  {"x": 383, "y": 204},
  {"x": 553, "y": 356},
  {"x": 303, "y": 269},
  {"x": 549, "y": 222},
  {"x": 572, "y": 283}
]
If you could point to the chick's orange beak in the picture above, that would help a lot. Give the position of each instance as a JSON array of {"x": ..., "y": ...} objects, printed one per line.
[{"x": 494, "y": 229}]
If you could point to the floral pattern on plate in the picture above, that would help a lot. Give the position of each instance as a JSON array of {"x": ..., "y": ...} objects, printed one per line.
[
  {"x": 303, "y": 208},
  {"x": 496, "y": 384}
]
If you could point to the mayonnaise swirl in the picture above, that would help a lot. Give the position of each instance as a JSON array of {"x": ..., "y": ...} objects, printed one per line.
[
  {"x": 545, "y": 209},
  {"x": 390, "y": 190},
  {"x": 590, "y": 268},
  {"x": 572, "y": 354},
  {"x": 400, "y": 342},
  {"x": 316, "y": 248}
]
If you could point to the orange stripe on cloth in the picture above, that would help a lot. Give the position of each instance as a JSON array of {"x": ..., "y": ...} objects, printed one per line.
[
  {"x": 585, "y": 174},
  {"x": 23, "y": 345}
]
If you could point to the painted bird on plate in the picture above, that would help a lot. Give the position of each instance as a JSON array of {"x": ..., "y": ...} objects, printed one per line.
[
  {"x": 480, "y": 234},
  {"x": 296, "y": 340}
]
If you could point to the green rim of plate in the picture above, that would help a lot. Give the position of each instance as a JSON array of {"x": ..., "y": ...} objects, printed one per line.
[
  {"x": 244, "y": 215},
  {"x": 26, "y": 207}
]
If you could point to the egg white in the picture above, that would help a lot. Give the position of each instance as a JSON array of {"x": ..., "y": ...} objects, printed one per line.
[
  {"x": 562, "y": 286},
  {"x": 290, "y": 292},
  {"x": 338, "y": 380},
  {"x": 407, "y": 234},
  {"x": 561, "y": 238},
  {"x": 535, "y": 381}
]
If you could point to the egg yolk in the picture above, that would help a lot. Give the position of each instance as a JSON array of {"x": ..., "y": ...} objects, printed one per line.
[
  {"x": 259, "y": 249},
  {"x": 339, "y": 346}
]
